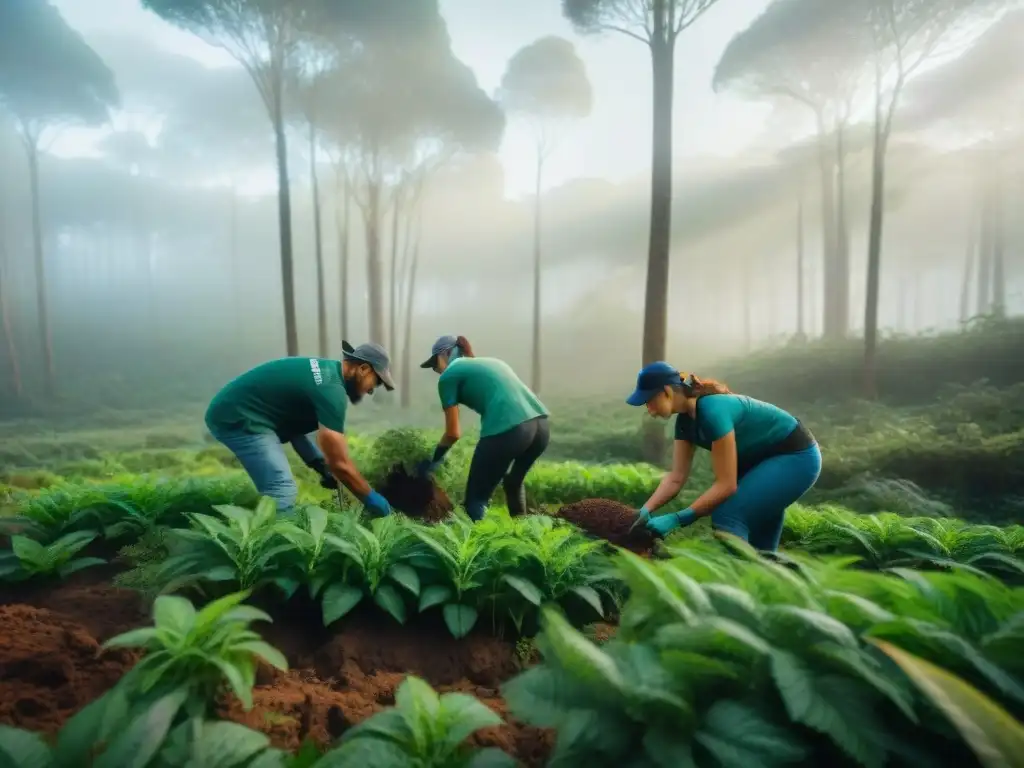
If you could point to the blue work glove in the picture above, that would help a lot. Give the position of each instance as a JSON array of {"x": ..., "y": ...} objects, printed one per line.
[
  {"x": 377, "y": 504},
  {"x": 642, "y": 518},
  {"x": 665, "y": 524}
]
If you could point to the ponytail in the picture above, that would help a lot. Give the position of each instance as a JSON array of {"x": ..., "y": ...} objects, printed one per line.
[
  {"x": 465, "y": 350},
  {"x": 695, "y": 387}
]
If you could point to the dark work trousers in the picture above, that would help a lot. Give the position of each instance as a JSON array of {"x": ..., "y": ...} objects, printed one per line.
[{"x": 519, "y": 447}]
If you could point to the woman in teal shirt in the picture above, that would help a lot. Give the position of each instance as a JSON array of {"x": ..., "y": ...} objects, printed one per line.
[
  {"x": 513, "y": 423},
  {"x": 763, "y": 458}
]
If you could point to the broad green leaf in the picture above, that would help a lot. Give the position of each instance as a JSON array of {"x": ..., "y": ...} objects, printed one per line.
[
  {"x": 406, "y": 576},
  {"x": 435, "y": 595},
  {"x": 590, "y": 596},
  {"x": 580, "y": 657},
  {"x": 996, "y": 737},
  {"x": 739, "y": 736},
  {"x": 338, "y": 599},
  {"x": 132, "y": 639},
  {"x": 459, "y": 619},
  {"x": 23, "y": 749},
  {"x": 667, "y": 750},
  {"x": 465, "y": 716},
  {"x": 140, "y": 741},
  {"x": 524, "y": 587},
  {"x": 74, "y": 566},
  {"x": 174, "y": 613},
  {"x": 390, "y": 599},
  {"x": 28, "y": 550},
  {"x": 537, "y": 696},
  {"x": 236, "y": 680},
  {"x": 389, "y": 725},
  {"x": 796, "y": 627},
  {"x": 491, "y": 757},
  {"x": 265, "y": 651},
  {"x": 226, "y": 745}
]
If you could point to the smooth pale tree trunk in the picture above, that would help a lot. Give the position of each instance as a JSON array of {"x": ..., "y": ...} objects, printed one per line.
[
  {"x": 343, "y": 221},
  {"x": 660, "y": 238},
  {"x": 284, "y": 219},
  {"x": 410, "y": 308},
  {"x": 970, "y": 257},
  {"x": 374, "y": 276},
  {"x": 39, "y": 260},
  {"x": 321, "y": 289},
  {"x": 535, "y": 378},
  {"x": 842, "y": 268},
  {"x": 983, "y": 301},
  {"x": 6, "y": 326},
  {"x": 801, "y": 332},
  {"x": 998, "y": 248},
  {"x": 826, "y": 168},
  {"x": 396, "y": 220},
  {"x": 874, "y": 249}
]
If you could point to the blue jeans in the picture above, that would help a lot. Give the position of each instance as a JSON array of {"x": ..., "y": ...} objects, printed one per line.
[
  {"x": 263, "y": 458},
  {"x": 757, "y": 510}
]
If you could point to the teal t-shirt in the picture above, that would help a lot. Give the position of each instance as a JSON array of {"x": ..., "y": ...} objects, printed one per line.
[
  {"x": 758, "y": 425},
  {"x": 491, "y": 388},
  {"x": 288, "y": 397}
]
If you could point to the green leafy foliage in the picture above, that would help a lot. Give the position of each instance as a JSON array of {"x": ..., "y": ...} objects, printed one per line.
[
  {"x": 195, "y": 651},
  {"x": 29, "y": 559},
  {"x": 742, "y": 661},
  {"x": 423, "y": 730}
]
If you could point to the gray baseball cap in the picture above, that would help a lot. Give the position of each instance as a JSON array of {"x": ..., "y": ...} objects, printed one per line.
[
  {"x": 441, "y": 346},
  {"x": 375, "y": 356}
]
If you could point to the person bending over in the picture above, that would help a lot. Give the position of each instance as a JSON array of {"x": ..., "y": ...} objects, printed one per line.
[
  {"x": 763, "y": 458},
  {"x": 514, "y": 426},
  {"x": 292, "y": 400}
]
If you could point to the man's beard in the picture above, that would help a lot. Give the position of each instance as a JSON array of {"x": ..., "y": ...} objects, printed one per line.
[{"x": 352, "y": 390}]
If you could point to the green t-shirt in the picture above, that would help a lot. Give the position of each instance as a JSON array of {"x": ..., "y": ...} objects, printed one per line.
[
  {"x": 289, "y": 397},
  {"x": 491, "y": 388},
  {"x": 758, "y": 425}
]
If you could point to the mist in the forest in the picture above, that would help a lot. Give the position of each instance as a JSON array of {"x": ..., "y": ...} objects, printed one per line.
[{"x": 140, "y": 207}]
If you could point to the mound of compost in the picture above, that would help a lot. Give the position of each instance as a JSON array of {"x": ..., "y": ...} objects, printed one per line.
[
  {"x": 606, "y": 519},
  {"x": 51, "y": 667},
  {"x": 415, "y": 496}
]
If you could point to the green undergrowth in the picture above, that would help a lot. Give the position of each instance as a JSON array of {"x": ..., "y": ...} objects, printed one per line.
[{"x": 726, "y": 660}]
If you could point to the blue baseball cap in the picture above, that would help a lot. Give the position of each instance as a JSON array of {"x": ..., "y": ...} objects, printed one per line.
[
  {"x": 651, "y": 380},
  {"x": 442, "y": 345}
]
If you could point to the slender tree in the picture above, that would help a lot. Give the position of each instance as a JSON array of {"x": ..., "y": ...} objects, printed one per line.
[
  {"x": 546, "y": 85},
  {"x": 49, "y": 77},
  {"x": 657, "y": 24}
]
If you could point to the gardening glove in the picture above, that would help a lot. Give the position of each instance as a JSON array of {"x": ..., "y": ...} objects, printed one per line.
[
  {"x": 665, "y": 524},
  {"x": 377, "y": 505},
  {"x": 642, "y": 518},
  {"x": 426, "y": 468}
]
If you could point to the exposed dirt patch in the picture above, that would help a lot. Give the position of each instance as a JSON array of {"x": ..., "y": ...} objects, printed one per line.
[
  {"x": 51, "y": 667},
  {"x": 415, "y": 496},
  {"x": 611, "y": 521}
]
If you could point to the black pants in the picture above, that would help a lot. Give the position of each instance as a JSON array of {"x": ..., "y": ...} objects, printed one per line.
[{"x": 519, "y": 447}]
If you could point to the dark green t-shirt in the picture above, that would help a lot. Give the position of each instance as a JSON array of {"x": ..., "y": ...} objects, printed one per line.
[
  {"x": 289, "y": 397},
  {"x": 491, "y": 388},
  {"x": 757, "y": 424}
]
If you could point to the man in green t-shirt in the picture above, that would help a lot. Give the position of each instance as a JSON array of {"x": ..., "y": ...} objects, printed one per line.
[
  {"x": 287, "y": 401},
  {"x": 514, "y": 429}
]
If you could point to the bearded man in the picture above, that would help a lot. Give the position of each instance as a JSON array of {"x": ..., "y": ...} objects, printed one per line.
[{"x": 302, "y": 401}]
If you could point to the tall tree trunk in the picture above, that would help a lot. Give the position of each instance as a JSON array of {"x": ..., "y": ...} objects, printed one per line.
[
  {"x": 801, "y": 332},
  {"x": 984, "y": 285},
  {"x": 284, "y": 221},
  {"x": 39, "y": 259},
  {"x": 874, "y": 247},
  {"x": 998, "y": 247},
  {"x": 660, "y": 239},
  {"x": 234, "y": 273},
  {"x": 6, "y": 326},
  {"x": 343, "y": 223},
  {"x": 842, "y": 268},
  {"x": 410, "y": 308},
  {"x": 374, "y": 276},
  {"x": 831, "y": 329},
  {"x": 321, "y": 288},
  {"x": 535, "y": 378},
  {"x": 396, "y": 218},
  {"x": 970, "y": 257}
]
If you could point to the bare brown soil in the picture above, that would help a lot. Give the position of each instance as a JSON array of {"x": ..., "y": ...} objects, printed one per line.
[
  {"x": 51, "y": 665},
  {"x": 609, "y": 520},
  {"x": 415, "y": 496}
]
